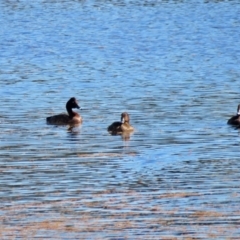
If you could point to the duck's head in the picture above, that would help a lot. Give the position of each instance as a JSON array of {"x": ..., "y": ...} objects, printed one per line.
[
  {"x": 72, "y": 103},
  {"x": 125, "y": 117}
]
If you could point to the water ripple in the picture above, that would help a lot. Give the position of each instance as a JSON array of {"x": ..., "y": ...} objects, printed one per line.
[{"x": 172, "y": 66}]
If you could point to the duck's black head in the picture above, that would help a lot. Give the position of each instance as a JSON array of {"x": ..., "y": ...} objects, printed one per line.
[{"x": 72, "y": 103}]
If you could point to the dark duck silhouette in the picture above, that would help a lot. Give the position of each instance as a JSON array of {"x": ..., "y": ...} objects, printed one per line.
[
  {"x": 235, "y": 120},
  {"x": 64, "y": 119}
]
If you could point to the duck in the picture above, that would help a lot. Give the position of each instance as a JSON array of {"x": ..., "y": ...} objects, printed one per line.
[
  {"x": 235, "y": 120},
  {"x": 121, "y": 127},
  {"x": 71, "y": 118}
]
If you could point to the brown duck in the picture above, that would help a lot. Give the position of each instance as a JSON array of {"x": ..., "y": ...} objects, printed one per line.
[{"x": 121, "y": 127}]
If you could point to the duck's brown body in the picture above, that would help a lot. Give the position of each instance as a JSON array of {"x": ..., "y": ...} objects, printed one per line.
[
  {"x": 235, "y": 120},
  {"x": 120, "y": 127},
  {"x": 65, "y": 119}
]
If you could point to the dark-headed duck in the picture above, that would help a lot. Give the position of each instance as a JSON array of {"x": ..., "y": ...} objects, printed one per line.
[
  {"x": 65, "y": 119},
  {"x": 235, "y": 120},
  {"x": 121, "y": 127}
]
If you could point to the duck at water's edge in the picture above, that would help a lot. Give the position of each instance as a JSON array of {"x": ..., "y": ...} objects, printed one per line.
[
  {"x": 65, "y": 119},
  {"x": 235, "y": 120},
  {"x": 121, "y": 127}
]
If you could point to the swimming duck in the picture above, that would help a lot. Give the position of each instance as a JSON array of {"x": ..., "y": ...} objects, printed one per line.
[
  {"x": 123, "y": 126},
  {"x": 235, "y": 120},
  {"x": 65, "y": 119}
]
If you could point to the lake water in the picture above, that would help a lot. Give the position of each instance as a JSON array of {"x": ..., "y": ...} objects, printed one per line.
[{"x": 173, "y": 66}]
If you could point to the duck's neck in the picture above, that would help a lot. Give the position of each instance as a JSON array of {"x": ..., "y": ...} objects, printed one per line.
[{"x": 71, "y": 113}]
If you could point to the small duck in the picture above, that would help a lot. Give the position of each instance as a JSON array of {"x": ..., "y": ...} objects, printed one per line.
[
  {"x": 235, "y": 120},
  {"x": 121, "y": 127},
  {"x": 65, "y": 119}
]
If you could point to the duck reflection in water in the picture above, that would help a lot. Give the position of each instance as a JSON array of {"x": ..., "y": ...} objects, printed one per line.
[
  {"x": 72, "y": 118},
  {"x": 126, "y": 136},
  {"x": 73, "y": 130},
  {"x": 235, "y": 120},
  {"x": 122, "y": 127}
]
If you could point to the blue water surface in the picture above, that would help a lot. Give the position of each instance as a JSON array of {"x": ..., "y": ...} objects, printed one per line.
[{"x": 172, "y": 65}]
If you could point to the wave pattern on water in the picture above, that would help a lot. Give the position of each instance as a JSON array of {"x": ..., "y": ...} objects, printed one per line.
[{"x": 173, "y": 66}]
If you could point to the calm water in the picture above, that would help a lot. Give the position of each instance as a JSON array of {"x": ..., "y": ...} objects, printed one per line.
[{"x": 173, "y": 66}]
